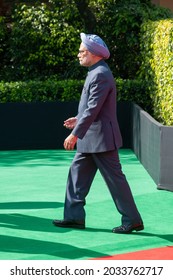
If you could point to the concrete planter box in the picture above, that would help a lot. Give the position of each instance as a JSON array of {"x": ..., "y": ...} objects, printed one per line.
[
  {"x": 40, "y": 125},
  {"x": 34, "y": 125},
  {"x": 152, "y": 143}
]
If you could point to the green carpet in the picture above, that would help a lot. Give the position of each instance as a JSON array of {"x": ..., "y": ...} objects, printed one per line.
[{"x": 32, "y": 189}]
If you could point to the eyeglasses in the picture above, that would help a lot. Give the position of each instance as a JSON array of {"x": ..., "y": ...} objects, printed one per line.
[{"x": 82, "y": 51}]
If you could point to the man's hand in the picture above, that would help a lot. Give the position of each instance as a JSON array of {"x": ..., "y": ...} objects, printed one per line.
[
  {"x": 70, "y": 142},
  {"x": 70, "y": 123}
]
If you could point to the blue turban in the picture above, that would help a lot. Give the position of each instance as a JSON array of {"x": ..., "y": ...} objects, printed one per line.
[{"x": 95, "y": 45}]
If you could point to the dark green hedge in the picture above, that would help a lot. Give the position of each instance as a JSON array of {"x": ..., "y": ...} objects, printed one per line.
[
  {"x": 43, "y": 36},
  {"x": 67, "y": 90},
  {"x": 119, "y": 22},
  {"x": 3, "y": 43},
  {"x": 33, "y": 91},
  {"x": 157, "y": 67}
]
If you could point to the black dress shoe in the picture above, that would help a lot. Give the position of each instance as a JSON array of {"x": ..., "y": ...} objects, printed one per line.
[
  {"x": 69, "y": 224},
  {"x": 128, "y": 229}
]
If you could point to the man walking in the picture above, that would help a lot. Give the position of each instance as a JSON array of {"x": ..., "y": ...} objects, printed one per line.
[{"x": 96, "y": 131}]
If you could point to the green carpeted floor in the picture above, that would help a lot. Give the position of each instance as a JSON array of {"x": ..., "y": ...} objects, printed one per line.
[{"x": 32, "y": 188}]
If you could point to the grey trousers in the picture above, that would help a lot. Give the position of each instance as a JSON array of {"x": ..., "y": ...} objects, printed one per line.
[{"x": 81, "y": 174}]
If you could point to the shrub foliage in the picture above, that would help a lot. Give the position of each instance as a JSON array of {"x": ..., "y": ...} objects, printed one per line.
[
  {"x": 65, "y": 90},
  {"x": 157, "y": 67},
  {"x": 119, "y": 22},
  {"x": 44, "y": 38}
]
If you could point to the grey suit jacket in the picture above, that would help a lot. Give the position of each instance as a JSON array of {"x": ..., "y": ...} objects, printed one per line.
[{"x": 97, "y": 128}]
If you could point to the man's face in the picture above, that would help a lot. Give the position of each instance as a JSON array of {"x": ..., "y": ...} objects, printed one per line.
[{"x": 85, "y": 57}]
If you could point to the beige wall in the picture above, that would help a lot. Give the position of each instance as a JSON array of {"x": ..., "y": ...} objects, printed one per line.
[{"x": 164, "y": 3}]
